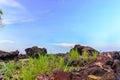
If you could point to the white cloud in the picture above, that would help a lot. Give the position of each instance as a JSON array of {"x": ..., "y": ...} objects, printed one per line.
[
  {"x": 11, "y": 3},
  {"x": 16, "y": 20},
  {"x": 6, "y": 41},
  {"x": 65, "y": 44},
  {"x": 14, "y": 12}
]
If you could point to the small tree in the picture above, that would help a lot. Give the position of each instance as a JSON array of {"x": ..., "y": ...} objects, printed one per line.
[{"x": 1, "y": 13}]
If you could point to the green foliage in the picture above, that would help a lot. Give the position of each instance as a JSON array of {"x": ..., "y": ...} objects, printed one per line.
[
  {"x": 1, "y": 24},
  {"x": 10, "y": 70},
  {"x": 89, "y": 58},
  {"x": 66, "y": 67},
  {"x": 86, "y": 56},
  {"x": 74, "y": 55},
  {"x": 28, "y": 70},
  {"x": 1, "y": 12},
  {"x": 95, "y": 54}
]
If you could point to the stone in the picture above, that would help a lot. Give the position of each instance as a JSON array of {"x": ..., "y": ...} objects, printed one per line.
[
  {"x": 9, "y": 55},
  {"x": 35, "y": 51},
  {"x": 80, "y": 49},
  {"x": 56, "y": 75},
  {"x": 60, "y": 75}
]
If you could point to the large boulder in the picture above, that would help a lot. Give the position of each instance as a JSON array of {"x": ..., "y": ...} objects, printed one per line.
[
  {"x": 81, "y": 49},
  {"x": 8, "y": 55},
  {"x": 35, "y": 51}
]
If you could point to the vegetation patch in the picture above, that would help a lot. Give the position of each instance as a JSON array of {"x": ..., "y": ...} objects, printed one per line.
[{"x": 28, "y": 69}]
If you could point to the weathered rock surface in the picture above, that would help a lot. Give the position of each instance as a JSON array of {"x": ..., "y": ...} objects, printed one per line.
[
  {"x": 56, "y": 75},
  {"x": 105, "y": 67},
  {"x": 80, "y": 49},
  {"x": 35, "y": 51},
  {"x": 8, "y": 55}
]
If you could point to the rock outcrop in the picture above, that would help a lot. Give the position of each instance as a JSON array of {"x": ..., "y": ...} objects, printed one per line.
[
  {"x": 80, "y": 49},
  {"x": 105, "y": 67},
  {"x": 35, "y": 51},
  {"x": 8, "y": 55}
]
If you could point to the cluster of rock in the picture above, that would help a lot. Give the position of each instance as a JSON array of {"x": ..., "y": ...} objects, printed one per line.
[
  {"x": 14, "y": 55},
  {"x": 36, "y": 51},
  {"x": 105, "y": 67}
]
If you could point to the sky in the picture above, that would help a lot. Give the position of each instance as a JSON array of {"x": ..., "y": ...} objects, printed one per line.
[{"x": 60, "y": 24}]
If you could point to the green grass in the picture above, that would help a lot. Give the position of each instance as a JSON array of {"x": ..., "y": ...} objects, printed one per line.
[
  {"x": 35, "y": 66},
  {"x": 42, "y": 65},
  {"x": 74, "y": 55}
]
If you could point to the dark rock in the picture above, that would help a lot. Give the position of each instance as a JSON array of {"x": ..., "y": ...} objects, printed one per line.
[
  {"x": 8, "y": 55},
  {"x": 109, "y": 76},
  {"x": 80, "y": 62},
  {"x": 60, "y": 54},
  {"x": 60, "y": 75},
  {"x": 75, "y": 75},
  {"x": 1, "y": 79},
  {"x": 56, "y": 75},
  {"x": 80, "y": 49},
  {"x": 35, "y": 51},
  {"x": 76, "y": 63}
]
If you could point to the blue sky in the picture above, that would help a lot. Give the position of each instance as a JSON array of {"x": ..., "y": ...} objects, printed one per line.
[{"x": 59, "y": 24}]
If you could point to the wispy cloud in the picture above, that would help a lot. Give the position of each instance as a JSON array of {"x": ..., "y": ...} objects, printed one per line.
[
  {"x": 16, "y": 20},
  {"x": 6, "y": 41},
  {"x": 11, "y": 3},
  {"x": 14, "y": 12},
  {"x": 65, "y": 44}
]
